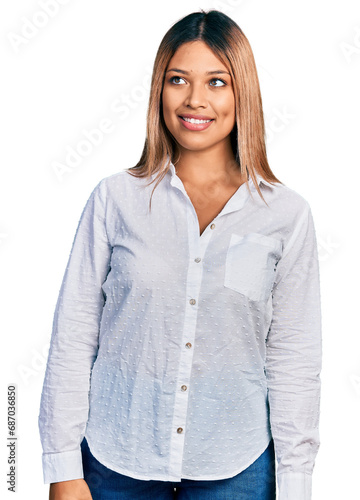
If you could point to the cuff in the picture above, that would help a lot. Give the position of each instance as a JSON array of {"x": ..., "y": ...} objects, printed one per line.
[
  {"x": 294, "y": 486},
  {"x": 62, "y": 466}
]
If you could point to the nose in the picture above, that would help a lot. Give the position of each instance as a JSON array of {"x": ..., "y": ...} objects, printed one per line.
[{"x": 196, "y": 97}]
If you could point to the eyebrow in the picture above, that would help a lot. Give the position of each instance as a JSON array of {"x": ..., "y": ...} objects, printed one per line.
[{"x": 215, "y": 72}]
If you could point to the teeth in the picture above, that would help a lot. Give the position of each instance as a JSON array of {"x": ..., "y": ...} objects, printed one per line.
[{"x": 192, "y": 120}]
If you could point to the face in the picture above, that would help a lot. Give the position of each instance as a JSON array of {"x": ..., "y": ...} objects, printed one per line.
[{"x": 197, "y": 84}]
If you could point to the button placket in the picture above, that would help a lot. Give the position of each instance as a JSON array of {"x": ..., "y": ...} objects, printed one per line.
[{"x": 197, "y": 247}]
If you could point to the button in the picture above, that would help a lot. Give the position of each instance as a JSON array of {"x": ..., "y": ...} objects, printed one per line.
[
  {"x": 183, "y": 388},
  {"x": 212, "y": 226},
  {"x": 198, "y": 259},
  {"x": 179, "y": 430},
  {"x": 192, "y": 301},
  {"x": 188, "y": 345}
]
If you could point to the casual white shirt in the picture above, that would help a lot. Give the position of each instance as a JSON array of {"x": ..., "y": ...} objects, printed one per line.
[{"x": 179, "y": 355}]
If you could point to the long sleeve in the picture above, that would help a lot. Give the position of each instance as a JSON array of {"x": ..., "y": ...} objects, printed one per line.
[
  {"x": 64, "y": 402},
  {"x": 293, "y": 361}
]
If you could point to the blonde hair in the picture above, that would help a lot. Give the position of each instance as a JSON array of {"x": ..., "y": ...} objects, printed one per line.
[{"x": 225, "y": 38}]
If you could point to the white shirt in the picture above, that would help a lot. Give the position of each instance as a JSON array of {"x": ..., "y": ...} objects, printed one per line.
[{"x": 188, "y": 341}]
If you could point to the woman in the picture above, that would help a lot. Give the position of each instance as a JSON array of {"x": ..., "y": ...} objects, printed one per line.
[{"x": 192, "y": 307}]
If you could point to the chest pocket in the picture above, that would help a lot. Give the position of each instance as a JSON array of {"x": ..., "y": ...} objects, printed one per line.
[{"x": 251, "y": 264}]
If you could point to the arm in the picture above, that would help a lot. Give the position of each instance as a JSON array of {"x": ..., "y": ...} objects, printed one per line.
[
  {"x": 64, "y": 402},
  {"x": 293, "y": 361},
  {"x": 76, "y": 489}
]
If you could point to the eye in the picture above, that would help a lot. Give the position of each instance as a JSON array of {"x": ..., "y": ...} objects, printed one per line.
[
  {"x": 171, "y": 80},
  {"x": 218, "y": 80},
  {"x": 223, "y": 83}
]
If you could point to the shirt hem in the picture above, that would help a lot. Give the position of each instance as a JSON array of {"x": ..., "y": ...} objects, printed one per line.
[
  {"x": 228, "y": 474},
  {"x": 168, "y": 477}
]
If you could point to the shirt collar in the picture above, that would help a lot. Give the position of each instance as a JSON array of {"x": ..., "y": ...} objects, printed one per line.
[
  {"x": 260, "y": 180},
  {"x": 236, "y": 202}
]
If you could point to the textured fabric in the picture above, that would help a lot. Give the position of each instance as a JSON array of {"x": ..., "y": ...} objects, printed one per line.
[
  {"x": 255, "y": 482},
  {"x": 179, "y": 355}
]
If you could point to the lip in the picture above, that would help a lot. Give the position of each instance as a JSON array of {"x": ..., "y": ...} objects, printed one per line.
[{"x": 195, "y": 126}]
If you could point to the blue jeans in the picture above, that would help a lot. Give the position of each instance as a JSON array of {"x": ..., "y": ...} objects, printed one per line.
[{"x": 256, "y": 482}]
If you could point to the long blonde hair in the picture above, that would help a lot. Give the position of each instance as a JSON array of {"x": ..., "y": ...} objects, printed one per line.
[{"x": 225, "y": 38}]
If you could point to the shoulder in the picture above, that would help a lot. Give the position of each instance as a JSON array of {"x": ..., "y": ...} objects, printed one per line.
[
  {"x": 124, "y": 192},
  {"x": 121, "y": 183},
  {"x": 286, "y": 201},
  {"x": 116, "y": 179},
  {"x": 287, "y": 210}
]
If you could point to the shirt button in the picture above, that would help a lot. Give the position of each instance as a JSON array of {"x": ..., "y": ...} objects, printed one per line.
[
  {"x": 192, "y": 301},
  {"x": 212, "y": 226},
  {"x": 179, "y": 430},
  {"x": 188, "y": 345},
  {"x": 198, "y": 259},
  {"x": 183, "y": 388}
]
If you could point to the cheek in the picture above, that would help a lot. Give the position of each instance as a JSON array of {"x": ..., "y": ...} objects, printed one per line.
[
  {"x": 168, "y": 99},
  {"x": 229, "y": 105},
  {"x": 165, "y": 98},
  {"x": 226, "y": 105}
]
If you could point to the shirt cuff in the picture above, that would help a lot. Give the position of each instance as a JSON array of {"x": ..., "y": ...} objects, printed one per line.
[
  {"x": 62, "y": 466},
  {"x": 294, "y": 486}
]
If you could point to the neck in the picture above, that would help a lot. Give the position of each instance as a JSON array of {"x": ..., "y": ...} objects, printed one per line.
[{"x": 201, "y": 168}]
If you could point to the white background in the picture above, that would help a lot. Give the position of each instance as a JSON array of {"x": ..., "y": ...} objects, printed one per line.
[{"x": 65, "y": 77}]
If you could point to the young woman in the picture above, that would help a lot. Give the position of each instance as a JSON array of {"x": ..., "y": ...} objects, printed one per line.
[{"x": 186, "y": 344}]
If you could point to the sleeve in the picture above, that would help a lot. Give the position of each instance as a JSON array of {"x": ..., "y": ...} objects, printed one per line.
[
  {"x": 294, "y": 361},
  {"x": 64, "y": 400}
]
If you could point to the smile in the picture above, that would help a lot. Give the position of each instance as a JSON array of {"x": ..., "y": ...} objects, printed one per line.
[
  {"x": 195, "y": 124},
  {"x": 193, "y": 120}
]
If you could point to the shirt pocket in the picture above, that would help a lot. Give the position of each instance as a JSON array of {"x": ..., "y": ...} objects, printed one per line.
[{"x": 251, "y": 264}]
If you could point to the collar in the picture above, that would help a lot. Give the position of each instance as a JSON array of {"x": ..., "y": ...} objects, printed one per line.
[
  {"x": 260, "y": 180},
  {"x": 236, "y": 202}
]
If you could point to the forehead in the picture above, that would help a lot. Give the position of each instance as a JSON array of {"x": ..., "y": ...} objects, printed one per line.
[{"x": 196, "y": 57}]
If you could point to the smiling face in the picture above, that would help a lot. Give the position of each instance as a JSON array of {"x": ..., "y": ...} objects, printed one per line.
[{"x": 198, "y": 84}]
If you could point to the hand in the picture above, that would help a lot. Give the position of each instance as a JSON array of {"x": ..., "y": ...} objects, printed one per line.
[{"x": 75, "y": 489}]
